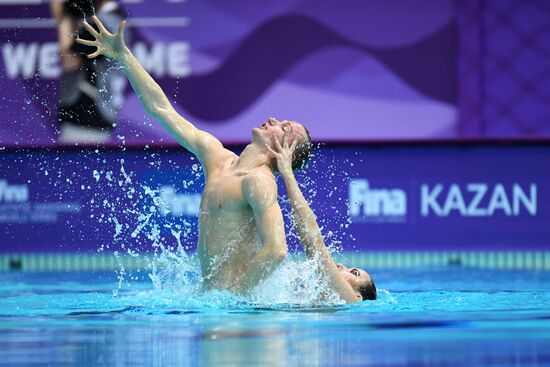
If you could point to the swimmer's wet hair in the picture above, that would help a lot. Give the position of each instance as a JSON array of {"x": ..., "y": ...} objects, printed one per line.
[
  {"x": 368, "y": 291},
  {"x": 302, "y": 153}
]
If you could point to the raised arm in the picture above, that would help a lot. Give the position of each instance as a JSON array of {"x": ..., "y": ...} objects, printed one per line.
[
  {"x": 261, "y": 194},
  {"x": 306, "y": 224},
  {"x": 205, "y": 146}
]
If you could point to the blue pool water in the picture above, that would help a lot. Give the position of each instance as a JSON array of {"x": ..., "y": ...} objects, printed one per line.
[{"x": 448, "y": 316}]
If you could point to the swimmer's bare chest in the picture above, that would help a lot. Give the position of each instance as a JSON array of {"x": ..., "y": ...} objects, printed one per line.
[{"x": 227, "y": 231}]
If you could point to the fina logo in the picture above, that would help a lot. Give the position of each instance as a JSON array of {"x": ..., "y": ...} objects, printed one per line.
[
  {"x": 376, "y": 205},
  {"x": 172, "y": 203},
  {"x": 13, "y": 193}
]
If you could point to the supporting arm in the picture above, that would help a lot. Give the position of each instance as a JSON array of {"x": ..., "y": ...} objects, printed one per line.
[
  {"x": 261, "y": 193},
  {"x": 307, "y": 227}
]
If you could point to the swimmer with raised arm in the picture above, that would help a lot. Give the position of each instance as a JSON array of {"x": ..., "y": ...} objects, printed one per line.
[
  {"x": 241, "y": 228},
  {"x": 352, "y": 285}
]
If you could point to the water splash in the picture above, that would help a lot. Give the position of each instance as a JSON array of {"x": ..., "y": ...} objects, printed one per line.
[
  {"x": 296, "y": 282},
  {"x": 142, "y": 225}
]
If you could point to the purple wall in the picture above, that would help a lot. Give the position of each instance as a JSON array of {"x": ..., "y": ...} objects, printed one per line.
[
  {"x": 504, "y": 49},
  {"x": 376, "y": 70},
  {"x": 377, "y": 197}
]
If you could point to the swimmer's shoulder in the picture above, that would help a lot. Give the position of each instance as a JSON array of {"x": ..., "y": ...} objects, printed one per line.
[
  {"x": 259, "y": 185},
  {"x": 259, "y": 176}
]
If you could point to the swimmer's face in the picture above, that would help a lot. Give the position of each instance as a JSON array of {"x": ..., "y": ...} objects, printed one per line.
[
  {"x": 274, "y": 129},
  {"x": 355, "y": 277}
]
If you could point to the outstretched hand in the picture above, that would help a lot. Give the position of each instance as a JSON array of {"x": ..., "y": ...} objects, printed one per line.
[
  {"x": 108, "y": 44},
  {"x": 284, "y": 154}
]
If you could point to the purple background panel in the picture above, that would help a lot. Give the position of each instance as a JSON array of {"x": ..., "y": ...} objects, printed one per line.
[
  {"x": 504, "y": 69},
  {"x": 516, "y": 90},
  {"x": 121, "y": 205},
  {"x": 377, "y": 70}
]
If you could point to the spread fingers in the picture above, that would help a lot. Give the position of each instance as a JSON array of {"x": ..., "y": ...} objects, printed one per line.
[
  {"x": 277, "y": 143},
  {"x": 294, "y": 143},
  {"x": 271, "y": 150},
  {"x": 85, "y": 42},
  {"x": 90, "y": 29},
  {"x": 285, "y": 139},
  {"x": 100, "y": 25},
  {"x": 121, "y": 29},
  {"x": 95, "y": 54}
]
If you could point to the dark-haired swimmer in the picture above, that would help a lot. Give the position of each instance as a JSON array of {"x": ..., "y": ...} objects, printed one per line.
[
  {"x": 352, "y": 285},
  {"x": 241, "y": 229}
]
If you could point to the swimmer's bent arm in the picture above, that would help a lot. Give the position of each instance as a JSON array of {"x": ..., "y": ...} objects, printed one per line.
[
  {"x": 202, "y": 144},
  {"x": 306, "y": 224},
  {"x": 261, "y": 194},
  {"x": 312, "y": 240}
]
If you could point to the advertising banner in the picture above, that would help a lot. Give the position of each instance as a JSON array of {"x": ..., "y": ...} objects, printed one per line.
[
  {"x": 376, "y": 198},
  {"x": 363, "y": 71}
]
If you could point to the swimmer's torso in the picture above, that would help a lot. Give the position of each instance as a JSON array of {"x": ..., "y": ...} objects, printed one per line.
[{"x": 228, "y": 237}]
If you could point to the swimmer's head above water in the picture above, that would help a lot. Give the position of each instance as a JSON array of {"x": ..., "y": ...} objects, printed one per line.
[
  {"x": 274, "y": 129},
  {"x": 360, "y": 281}
]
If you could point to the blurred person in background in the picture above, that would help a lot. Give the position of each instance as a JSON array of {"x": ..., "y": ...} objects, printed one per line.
[{"x": 91, "y": 94}]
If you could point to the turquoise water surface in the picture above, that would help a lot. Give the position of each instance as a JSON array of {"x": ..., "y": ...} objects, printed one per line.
[{"x": 446, "y": 316}]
